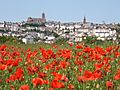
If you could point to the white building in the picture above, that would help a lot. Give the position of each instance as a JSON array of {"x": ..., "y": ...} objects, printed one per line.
[
  {"x": 49, "y": 39},
  {"x": 28, "y": 39}
]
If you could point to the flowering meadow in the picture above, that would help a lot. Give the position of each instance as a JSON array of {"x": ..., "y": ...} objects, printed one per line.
[{"x": 54, "y": 67}]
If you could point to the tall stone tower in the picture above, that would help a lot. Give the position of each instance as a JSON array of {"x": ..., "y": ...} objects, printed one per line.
[
  {"x": 84, "y": 20},
  {"x": 43, "y": 15}
]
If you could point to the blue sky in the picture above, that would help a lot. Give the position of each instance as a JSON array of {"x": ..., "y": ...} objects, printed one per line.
[{"x": 61, "y": 10}]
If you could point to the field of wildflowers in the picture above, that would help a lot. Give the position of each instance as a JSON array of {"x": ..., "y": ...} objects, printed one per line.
[{"x": 54, "y": 67}]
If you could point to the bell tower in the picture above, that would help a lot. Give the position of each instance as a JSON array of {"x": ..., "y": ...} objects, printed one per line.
[
  {"x": 84, "y": 20},
  {"x": 43, "y": 15}
]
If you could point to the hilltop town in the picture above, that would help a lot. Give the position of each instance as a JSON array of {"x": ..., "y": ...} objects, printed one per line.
[{"x": 35, "y": 30}]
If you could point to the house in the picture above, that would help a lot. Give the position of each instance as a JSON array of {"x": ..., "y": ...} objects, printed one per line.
[
  {"x": 6, "y": 34},
  {"x": 1, "y": 34},
  {"x": 1, "y": 26},
  {"x": 41, "y": 35},
  {"x": 28, "y": 39},
  {"x": 11, "y": 26},
  {"x": 49, "y": 39},
  {"x": 105, "y": 33}
]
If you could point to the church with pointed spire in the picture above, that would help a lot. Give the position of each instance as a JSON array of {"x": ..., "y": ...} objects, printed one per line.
[
  {"x": 84, "y": 20},
  {"x": 37, "y": 20},
  {"x": 85, "y": 23}
]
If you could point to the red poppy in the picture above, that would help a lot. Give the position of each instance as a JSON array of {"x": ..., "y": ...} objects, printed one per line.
[
  {"x": 4, "y": 53},
  {"x": 117, "y": 54},
  {"x": 80, "y": 69},
  {"x": 97, "y": 74},
  {"x": 60, "y": 77},
  {"x": 65, "y": 53},
  {"x": 71, "y": 44},
  {"x": 64, "y": 64},
  {"x": 51, "y": 65},
  {"x": 19, "y": 73},
  {"x": 0, "y": 80},
  {"x": 9, "y": 62},
  {"x": 81, "y": 79},
  {"x": 46, "y": 81},
  {"x": 78, "y": 62},
  {"x": 79, "y": 53},
  {"x": 3, "y": 47},
  {"x": 57, "y": 84},
  {"x": 37, "y": 81},
  {"x": 98, "y": 66},
  {"x": 15, "y": 63},
  {"x": 87, "y": 49},
  {"x": 99, "y": 50},
  {"x": 11, "y": 78},
  {"x": 3, "y": 67},
  {"x": 1, "y": 60},
  {"x": 34, "y": 53},
  {"x": 117, "y": 75},
  {"x": 42, "y": 75},
  {"x": 33, "y": 69},
  {"x": 109, "y": 85},
  {"x": 88, "y": 75},
  {"x": 107, "y": 68},
  {"x": 79, "y": 46},
  {"x": 47, "y": 54},
  {"x": 109, "y": 49},
  {"x": 71, "y": 87},
  {"x": 15, "y": 54},
  {"x": 24, "y": 87},
  {"x": 51, "y": 89}
]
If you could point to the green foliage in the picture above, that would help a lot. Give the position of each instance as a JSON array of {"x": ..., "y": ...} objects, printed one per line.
[
  {"x": 3, "y": 39},
  {"x": 33, "y": 24},
  {"x": 90, "y": 39},
  {"x": 9, "y": 39},
  {"x": 61, "y": 40},
  {"x": 1, "y": 30}
]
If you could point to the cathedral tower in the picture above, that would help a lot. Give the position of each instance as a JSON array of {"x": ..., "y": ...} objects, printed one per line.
[
  {"x": 84, "y": 20},
  {"x": 43, "y": 15}
]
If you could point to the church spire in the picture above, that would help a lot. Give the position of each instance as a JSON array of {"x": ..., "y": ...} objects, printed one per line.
[
  {"x": 84, "y": 20},
  {"x": 43, "y": 15}
]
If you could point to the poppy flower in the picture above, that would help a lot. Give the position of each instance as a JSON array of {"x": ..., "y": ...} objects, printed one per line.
[
  {"x": 70, "y": 44},
  {"x": 57, "y": 84},
  {"x": 81, "y": 79},
  {"x": 98, "y": 66},
  {"x": 109, "y": 85},
  {"x": 24, "y": 87},
  {"x": 80, "y": 69},
  {"x": 78, "y": 62},
  {"x": 88, "y": 75},
  {"x": 3, "y": 47},
  {"x": 42, "y": 75},
  {"x": 64, "y": 64},
  {"x": 3, "y": 67},
  {"x": 87, "y": 49},
  {"x": 37, "y": 81},
  {"x": 0, "y": 80},
  {"x": 79, "y": 46},
  {"x": 71, "y": 87},
  {"x": 1, "y": 60},
  {"x": 117, "y": 75},
  {"x": 107, "y": 67},
  {"x": 60, "y": 77}
]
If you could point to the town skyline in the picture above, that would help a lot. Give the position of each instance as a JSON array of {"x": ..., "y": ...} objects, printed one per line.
[
  {"x": 63, "y": 10},
  {"x": 77, "y": 21}
]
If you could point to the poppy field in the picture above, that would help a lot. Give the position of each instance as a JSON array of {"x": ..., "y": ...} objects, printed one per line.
[{"x": 54, "y": 67}]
